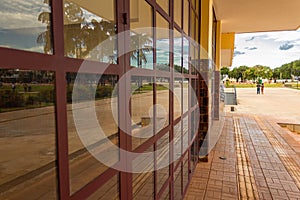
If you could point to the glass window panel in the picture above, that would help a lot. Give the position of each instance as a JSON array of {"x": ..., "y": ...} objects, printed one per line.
[
  {"x": 178, "y": 12},
  {"x": 177, "y": 183},
  {"x": 197, "y": 7},
  {"x": 193, "y": 3},
  {"x": 141, "y": 34},
  {"x": 110, "y": 190},
  {"x": 193, "y": 25},
  {"x": 26, "y": 25},
  {"x": 141, "y": 109},
  {"x": 85, "y": 139},
  {"x": 166, "y": 194},
  {"x": 143, "y": 183},
  {"x": 194, "y": 155},
  {"x": 177, "y": 97},
  {"x": 163, "y": 158},
  {"x": 185, "y": 171},
  {"x": 193, "y": 86},
  {"x": 193, "y": 124},
  {"x": 185, "y": 135},
  {"x": 177, "y": 51},
  {"x": 177, "y": 141},
  {"x": 162, "y": 43},
  {"x": 186, "y": 16},
  {"x": 162, "y": 103},
  {"x": 28, "y": 158},
  {"x": 186, "y": 47},
  {"x": 197, "y": 31},
  {"x": 194, "y": 59},
  {"x": 185, "y": 95},
  {"x": 164, "y": 4},
  {"x": 90, "y": 29}
]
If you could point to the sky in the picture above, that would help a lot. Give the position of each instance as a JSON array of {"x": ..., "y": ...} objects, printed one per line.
[{"x": 271, "y": 49}]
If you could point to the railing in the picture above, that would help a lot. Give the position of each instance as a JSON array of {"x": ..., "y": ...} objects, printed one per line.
[{"x": 231, "y": 97}]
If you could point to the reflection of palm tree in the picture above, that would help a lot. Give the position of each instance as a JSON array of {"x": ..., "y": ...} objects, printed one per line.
[
  {"x": 44, "y": 37},
  {"x": 140, "y": 45},
  {"x": 81, "y": 37}
]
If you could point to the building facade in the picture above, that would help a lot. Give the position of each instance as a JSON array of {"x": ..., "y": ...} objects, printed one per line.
[{"x": 148, "y": 68}]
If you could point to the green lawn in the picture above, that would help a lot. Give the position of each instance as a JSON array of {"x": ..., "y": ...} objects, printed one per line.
[{"x": 246, "y": 85}]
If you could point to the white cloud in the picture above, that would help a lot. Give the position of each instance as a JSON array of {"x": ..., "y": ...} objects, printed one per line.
[{"x": 267, "y": 52}]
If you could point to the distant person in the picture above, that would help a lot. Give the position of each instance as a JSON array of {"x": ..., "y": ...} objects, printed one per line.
[
  {"x": 13, "y": 86},
  {"x": 257, "y": 88},
  {"x": 262, "y": 88}
]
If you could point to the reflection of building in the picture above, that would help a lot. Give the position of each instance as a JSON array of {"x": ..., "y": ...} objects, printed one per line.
[{"x": 45, "y": 158}]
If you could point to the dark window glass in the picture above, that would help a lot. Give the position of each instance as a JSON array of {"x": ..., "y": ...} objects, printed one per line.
[
  {"x": 27, "y": 135},
  {"x": 93, "y": 141},
  {"x": 90, "y": 29},
  {"x": 26, "y": 25}
]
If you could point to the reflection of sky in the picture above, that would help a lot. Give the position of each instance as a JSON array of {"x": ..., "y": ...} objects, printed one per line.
[
  {"x": 19, "y": 25},
  {"x": 16, "y": 14}
]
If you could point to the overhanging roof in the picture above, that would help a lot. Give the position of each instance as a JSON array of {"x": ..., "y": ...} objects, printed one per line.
[{"x": 241, "y": 16}]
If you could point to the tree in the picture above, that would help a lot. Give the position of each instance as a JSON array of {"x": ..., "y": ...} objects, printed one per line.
[
  {"x": 238, "y": 73},
  {"x": 224, "y": 71}
]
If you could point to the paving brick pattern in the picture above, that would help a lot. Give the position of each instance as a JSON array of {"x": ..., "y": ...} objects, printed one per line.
[{"x": 261, "y": 162}]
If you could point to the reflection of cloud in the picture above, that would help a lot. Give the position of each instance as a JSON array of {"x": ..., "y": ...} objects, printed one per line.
[
  {"x": 21, "y": 14},
  {"x": 251, "y": 48},
  {"x": 236, "y": 53},
  {"x": 286, "y": 46},
  {"x": 252, "y": 38}
]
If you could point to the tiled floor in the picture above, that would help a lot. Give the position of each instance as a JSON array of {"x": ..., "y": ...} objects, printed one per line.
[{"x": 254, "y": 159}]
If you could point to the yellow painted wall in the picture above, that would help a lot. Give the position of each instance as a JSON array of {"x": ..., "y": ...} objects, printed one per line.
[
  {"x": 227, "y": 49},
  {"x": 228, "y": 41},
  {"x": 206, "y": 28}
]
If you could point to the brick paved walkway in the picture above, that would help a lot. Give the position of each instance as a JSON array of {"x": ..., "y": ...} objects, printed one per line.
[{"x": 262, "y": 162}]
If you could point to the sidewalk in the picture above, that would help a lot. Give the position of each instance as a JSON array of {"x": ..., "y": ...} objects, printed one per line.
[{"x": 254, "y": 158}]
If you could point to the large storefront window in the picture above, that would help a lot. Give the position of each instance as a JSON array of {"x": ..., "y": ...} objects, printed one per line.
[{"x": 53, "y": 146}]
